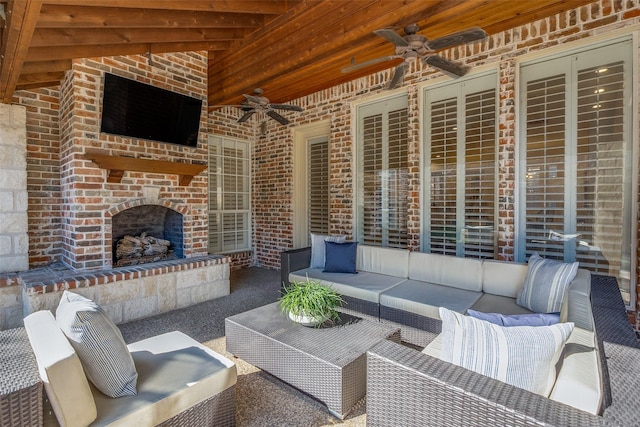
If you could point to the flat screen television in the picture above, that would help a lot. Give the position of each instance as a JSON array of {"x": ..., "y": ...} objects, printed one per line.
[{"x": 139, "y": 110}]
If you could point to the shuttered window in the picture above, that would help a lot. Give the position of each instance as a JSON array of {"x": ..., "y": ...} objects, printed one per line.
[
  {"x": 460, "y": 168},
  {"x": 318, "y": 167},
  {"x": 382, "y": 173},
  {"x": 576, "y": 163},
  {"x": 229, "y": 195}
]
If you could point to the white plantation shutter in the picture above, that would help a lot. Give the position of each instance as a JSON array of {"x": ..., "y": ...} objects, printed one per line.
[
  {"x": 382, "y": 173},
  {"x": 576, "y": 161},
  {"x": 318, "y": 167},
  {"x": 229, "y": 195},
  {"x": 444, "y": 165},
  {"x": 460, "y": 158}
]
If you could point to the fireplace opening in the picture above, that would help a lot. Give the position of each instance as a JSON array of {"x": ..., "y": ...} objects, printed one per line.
[{"x": 146, "y": 233}]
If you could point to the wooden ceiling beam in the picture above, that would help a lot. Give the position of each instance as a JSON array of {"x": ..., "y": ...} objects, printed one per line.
[
  {"x": 270, "y": 7},
  {"x": 91, "y": 51},
  {"x": 52, "y": 78},
  {"x": 108, "y": 17},
  {"x": 55, "y": 38},
  {"x": 22, "y": 16},
  {"x": 46, "y": 66}
]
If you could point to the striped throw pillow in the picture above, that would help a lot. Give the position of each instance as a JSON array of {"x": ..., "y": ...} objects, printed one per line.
[
  {"x": 99, "y": 345},
  {"x": 523, "y": 356},
  {"x": 546, "y": 284}
]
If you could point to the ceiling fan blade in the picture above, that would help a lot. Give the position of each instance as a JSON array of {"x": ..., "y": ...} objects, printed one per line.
[
  {"x": 448, "y": 67},
  {"x": 369, "y": 63},
  {"x": 464, "y": 36},
  {"x": 391, "y": 36},
  {"x": 286, "y": 107},
  {"x": 277, "y": 117},
  {"x": 398, "y": 75},
  {"x": 246, "y": 116}
]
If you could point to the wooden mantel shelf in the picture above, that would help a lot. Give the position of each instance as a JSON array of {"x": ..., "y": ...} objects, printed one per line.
[{"x": 117, "y": 165}]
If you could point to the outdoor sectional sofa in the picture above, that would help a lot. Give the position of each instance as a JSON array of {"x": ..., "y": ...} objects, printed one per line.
[{"x": 406, "y": 385}]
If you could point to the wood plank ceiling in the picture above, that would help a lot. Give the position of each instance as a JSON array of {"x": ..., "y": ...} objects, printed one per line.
[{"x": 290, "y": 48}]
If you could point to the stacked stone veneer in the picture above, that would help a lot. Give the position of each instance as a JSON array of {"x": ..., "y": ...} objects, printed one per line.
[
  {"x": 132, "y": 293},
  {"x": 13, "y": 189}
]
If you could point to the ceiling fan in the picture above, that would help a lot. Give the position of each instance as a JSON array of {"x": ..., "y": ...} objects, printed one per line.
[
  {"x": 257, "y": 103},
  {"x": 413, "y": 46}
]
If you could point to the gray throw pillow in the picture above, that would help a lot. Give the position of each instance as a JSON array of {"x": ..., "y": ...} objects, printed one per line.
[
  {"x": 99, "y": 345},
  {"x": 318, "y": 248},
  {"x": 545, "y": 284}
]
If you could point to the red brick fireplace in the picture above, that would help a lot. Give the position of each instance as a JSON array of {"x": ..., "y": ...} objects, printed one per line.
[{"x": 93, "y": 196}]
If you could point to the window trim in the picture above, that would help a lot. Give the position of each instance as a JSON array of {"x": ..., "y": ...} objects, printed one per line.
[
  {"x": 210, "y": 140},
  {"x": 399, "y": 96},
  {"x": 425, "y": 151}
]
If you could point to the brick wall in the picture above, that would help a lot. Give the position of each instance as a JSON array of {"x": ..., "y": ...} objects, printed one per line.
[{"x": 272, "y": 162}]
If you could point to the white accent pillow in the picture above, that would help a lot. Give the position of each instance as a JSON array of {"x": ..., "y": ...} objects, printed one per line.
[
  {"x": 523, "y": 356},
  {"x": 546, "y": 284},
  {"x": 318, "y": 248},
  {"x": 99, "y": 345}
]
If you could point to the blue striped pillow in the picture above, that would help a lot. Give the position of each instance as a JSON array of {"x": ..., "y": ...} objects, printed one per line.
[
  {"x": 523, "y": 356},
  {"x": 99, "y": 344},
  {"x": 546, "y": 284}
]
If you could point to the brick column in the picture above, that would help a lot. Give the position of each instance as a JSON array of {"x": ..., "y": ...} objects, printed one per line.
[{"x": 14, "y": 246}]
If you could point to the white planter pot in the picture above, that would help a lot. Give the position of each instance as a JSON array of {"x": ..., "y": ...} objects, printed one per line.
[{"x": 307, "y": 320}]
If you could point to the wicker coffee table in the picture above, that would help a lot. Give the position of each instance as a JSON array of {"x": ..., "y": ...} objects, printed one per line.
[{"x": 328, "y": 363}]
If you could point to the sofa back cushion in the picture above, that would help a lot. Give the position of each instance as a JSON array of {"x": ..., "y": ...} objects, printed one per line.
[
  {"x": 576, "y": 307},
  {"x": 61, "y": 371},
  {"x": 503, "y": 278},
  {"x": 389, "y": 261},
  {"x": 461, "y": 273}
]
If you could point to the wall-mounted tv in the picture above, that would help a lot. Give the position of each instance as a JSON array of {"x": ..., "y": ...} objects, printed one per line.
[{"x": 138, "y": 110}]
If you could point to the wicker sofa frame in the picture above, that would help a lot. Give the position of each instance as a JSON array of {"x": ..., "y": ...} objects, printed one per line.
[{"x": 408, "y": 387}]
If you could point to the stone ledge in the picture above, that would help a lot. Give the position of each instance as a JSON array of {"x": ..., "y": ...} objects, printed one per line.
[{"x": 57, "y": 277}]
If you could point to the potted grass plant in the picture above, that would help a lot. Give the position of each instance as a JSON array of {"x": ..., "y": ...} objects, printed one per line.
[{"x": 310, "y": 303}]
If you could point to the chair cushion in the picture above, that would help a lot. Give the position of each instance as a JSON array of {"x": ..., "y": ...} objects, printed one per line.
[
  {"x": 546, "y": 284},
  {"x": 364, "y": 285},
  {"x": 175, "y": 373},
  {"x": 340, "y": 257},
  {"x": 523, "y": 356},
  {"x": 99, "y": 344},
  {"x": 318, "y": 248},
  {"x": 60, "y": 370},
  {"x": 424, "y": 298}
]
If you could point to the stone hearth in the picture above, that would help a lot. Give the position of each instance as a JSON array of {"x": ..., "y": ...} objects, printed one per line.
[{"x": 126, "y": 293}]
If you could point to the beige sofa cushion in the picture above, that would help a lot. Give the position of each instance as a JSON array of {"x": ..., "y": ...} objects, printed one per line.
[
  {"x": 387, "y": 261},
  {"x": 490, "y": 303},
  {"x": 175, "y": 372},
  {"x": 579, "y": 382},
  {"x": 503, "y": 278},
  {"x": 61, "y": 371},
  {"x": 461, "y": 273}
]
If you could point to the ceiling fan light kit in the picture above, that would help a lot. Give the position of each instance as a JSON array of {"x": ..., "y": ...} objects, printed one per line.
[{"x": 412, "y": 46}]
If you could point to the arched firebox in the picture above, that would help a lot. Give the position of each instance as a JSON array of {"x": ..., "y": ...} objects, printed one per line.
[{"x": 146, "y": 233}]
